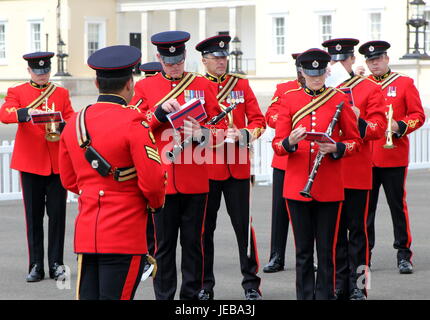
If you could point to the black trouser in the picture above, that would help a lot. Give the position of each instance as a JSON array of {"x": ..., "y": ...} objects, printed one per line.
[
  {"x": 352, "y": 251},
  {"x": 394, "y": 182},
  {"x": 236, "y": 195},
  {"x": 315, "y": 223},
  {"x": 280, "y": 220},
  {"x": 109, "y": 276},
  {"x": 40, "y": 192},
  {"x": 150, "y": 235},
  {"x": 184, "y": 213}
]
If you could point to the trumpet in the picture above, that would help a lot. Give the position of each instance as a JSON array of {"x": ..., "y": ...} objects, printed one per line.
[
  {"x": 389, "y": 142},
  {"x": 52, "y": 129}
]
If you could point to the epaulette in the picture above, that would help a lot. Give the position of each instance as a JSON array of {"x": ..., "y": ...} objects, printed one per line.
[
  {"x": 368, "y": 78},
  {"x": 338, "y": 90},
  {"x": 132, "y": 107},
  {"x": 237, "y": 75},
  {"x": 57, "y": 84},
  {"x": 18, "y": 84},
  {"x": 292, "y": 90},
  {"x": 402, "y": 74},
  {"x": 197, "y": 74}
]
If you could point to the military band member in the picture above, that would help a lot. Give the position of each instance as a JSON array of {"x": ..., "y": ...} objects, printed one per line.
[
  {"x": 230, "y": 173},
  {"x": 35, "y": 156},
  {"x": 369, "y": 105},
  {"x": 315, "y": 220},
  {"x": 150, "y": 69},
  {"x": 390, "y": 155},
  {"x": 188, "y": 183},
  {"x": 118, "y": 178},
  {"x": 280, "y": 222}
]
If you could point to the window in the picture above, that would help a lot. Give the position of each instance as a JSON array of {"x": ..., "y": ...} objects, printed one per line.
[
  {"x": 279, "y": 36},
  {"x": 35, "y": 36},
  {"x": 93, "y": 38},
  {"x": 427, "y": 35},
  {"x": 2, "y": 42},
  {"x": 325, "y": 27},
  {"x": 95, "y": 31},
  {"x": 375, "y": 26}
]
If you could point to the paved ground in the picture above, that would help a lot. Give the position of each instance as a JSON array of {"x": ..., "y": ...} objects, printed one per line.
[{"x": 386, "y": 282}]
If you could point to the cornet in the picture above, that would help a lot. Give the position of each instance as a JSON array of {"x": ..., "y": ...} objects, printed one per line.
[
  {"x": 389, "y": 142},
  {"x": 52, "y": 129}
]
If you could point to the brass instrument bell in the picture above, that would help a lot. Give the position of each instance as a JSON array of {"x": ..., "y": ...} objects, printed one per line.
[{"x": 52, "y": 129}]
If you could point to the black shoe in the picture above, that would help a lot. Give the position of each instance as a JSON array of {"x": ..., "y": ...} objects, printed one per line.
[
  {"x": 357, "y": 294},
  {"x": 56, "y": 271},
  {"x": 205, "y": 295},
  {"x": 36, "y": 274},
  {"x": 340, "y": 295},
  {"x": 252, "y": 294},
  {"x": 405, "y": 267},
  {"x": 275, "y": 264}
]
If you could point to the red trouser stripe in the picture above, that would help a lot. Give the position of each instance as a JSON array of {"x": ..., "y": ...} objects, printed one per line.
[
  {"x": 405, "y": 212},
  {"x": 131, "y": 279},
  {"x": 336, "y": 231}
]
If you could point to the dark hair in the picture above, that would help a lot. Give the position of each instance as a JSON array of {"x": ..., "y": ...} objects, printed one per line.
[{"x": 112, "y": 85}]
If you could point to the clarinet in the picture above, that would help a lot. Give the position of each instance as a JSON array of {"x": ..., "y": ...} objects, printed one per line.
[
  {"x": 306, "y": 192},
  {"x": 178, "y": 148}
]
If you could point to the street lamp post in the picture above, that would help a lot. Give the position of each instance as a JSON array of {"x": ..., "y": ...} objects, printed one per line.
[
  {"x": 236, "y": 55},
  {"x": 61, "y": 55},
  {"x": 416, "y": 20}
]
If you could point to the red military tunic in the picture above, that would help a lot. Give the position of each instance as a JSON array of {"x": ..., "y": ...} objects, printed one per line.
[
  {"x": 328, "y": 184},
  {"x": 409, "y": 114},
  {"x": 368, "y": 97},
  {"x": 112, "y": 215},
  {"x": 246, "y": 116},
  {"x": 272, "y": 114},
  {"x": 188, "y": 178},
  {"x": 32, "y": 153}
]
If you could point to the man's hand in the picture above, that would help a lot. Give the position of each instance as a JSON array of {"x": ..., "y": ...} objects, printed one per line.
[
  {"x": 233, "y": 134},
  {"x": 327, "y": 147},
  {"x": 360, "y": 70},
  {"x": 297, "y": 135},
  {"x": 171, "y": 105},
  {"x": 394, "y": 126},
  {"x": 192, "y": 128},
  {"x": 35, "y": 111}
]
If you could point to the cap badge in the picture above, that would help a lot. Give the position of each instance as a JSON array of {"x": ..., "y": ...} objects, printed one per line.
[
  {"x": 172, "y": 49},
  {"x": 338, "y": 47},
  {"x": 315, "y": 64},
  {"x": 371, "y": 48},
  {"x": 221, "y": 44},
  {"x": 41, "y": 63}
]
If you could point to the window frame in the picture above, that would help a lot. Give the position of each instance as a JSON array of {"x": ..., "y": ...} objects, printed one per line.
[
  {"x": 101, "y": 37},
  {"x": 31, "y": 46},
  {"x": 369, "y": 18},
  {"x": 4, "y": 61},
  {"x": 320, "y": 25},
  {"x": 274, "y": 56}
]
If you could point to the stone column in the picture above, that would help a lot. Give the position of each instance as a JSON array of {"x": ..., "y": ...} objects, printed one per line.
[
  {"x": 144, "y": 29},
  {"x": 172, "y": 20},
  {"x": 232, "y": 21}
]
